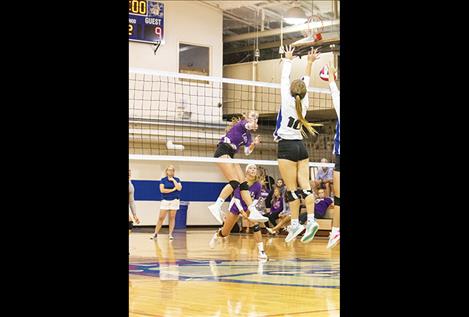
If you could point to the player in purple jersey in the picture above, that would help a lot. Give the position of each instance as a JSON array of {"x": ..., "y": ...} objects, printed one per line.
[
  {"x": 239, "y": 207},
  {"x": 237, "y": 135}
]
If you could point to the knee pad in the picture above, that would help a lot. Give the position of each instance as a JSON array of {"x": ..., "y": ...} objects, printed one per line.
[
  {"x": 234, "y": 184},
  {"x": 244, "y": 186},
  {"x": 336, "y": 201},
  {"x": 303, "y": 193},
  {"x": 291, "y": 196},
  {"x": 131, "y": 225},
  {"x": 256, "y": 228}
]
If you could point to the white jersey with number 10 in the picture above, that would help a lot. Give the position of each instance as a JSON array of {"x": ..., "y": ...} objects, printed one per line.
[{"x": 288, "y": 126}]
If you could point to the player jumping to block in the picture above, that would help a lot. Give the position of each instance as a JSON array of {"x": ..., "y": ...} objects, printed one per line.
[{"x": 293, "y": 158}]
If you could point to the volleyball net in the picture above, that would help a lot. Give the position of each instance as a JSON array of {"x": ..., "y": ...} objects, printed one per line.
[{"x": 181, "y": 117}]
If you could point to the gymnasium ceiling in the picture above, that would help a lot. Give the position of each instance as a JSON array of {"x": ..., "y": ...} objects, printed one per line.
[{"x": 244, "y": 22}]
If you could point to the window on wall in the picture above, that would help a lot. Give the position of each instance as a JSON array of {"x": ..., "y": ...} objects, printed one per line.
[{"x": 194, "y": 59}]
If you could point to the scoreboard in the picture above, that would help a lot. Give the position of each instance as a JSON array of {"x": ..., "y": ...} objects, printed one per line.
[{"x": 146, "y": 21}]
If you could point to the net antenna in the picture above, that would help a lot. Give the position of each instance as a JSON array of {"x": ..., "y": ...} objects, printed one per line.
[{"x": 280, "y": 49}]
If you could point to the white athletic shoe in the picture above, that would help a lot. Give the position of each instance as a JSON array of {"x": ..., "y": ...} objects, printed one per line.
[
  {"x": 257, "y": 217},
  {"x": 216, "y": 212},
  {"x": 334, "y": 237},
  {"x": 171, "y": 237},
  {"x": 311, "y": 229},
  {"x": 213, "y": 241},
  {"x": 262, "y": 256},
  {"x": 293, "y": 232},
  {"x": 271, "y": 231}
]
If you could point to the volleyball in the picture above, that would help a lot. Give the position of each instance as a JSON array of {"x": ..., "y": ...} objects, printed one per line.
[{"x": 324, "y": 73}]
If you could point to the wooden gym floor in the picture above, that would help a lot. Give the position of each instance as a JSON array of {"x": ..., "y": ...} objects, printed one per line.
[{"x": 184, "y": 277}]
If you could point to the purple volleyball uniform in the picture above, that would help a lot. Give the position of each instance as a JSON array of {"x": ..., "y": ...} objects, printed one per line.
[
  {"x": 277, "y": 205},
  {"x": 238, "y": 136},
  {"x": 237, "y": 202},
  {"x": 321, "y": 205}
]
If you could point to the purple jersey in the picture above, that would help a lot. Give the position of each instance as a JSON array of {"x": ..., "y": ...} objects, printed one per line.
[
  {"x": 261, "y": 204},
  {"x": 238, "y": 135},
  {"x": 237, "y": 201},
  {"x": 277, "y": 205},
  {"x": 321, "y": 205}
]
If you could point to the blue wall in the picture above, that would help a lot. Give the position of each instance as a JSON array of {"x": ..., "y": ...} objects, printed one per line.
[{"x": 191, "y": 191}]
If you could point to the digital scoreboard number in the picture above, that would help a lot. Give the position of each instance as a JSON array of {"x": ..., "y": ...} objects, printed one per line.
[{"x": 146, "y": 21}]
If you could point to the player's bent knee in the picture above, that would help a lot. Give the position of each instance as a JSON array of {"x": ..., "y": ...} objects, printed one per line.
[
  {"x": 291, "y": 196},
  {"x": 304, "y": 193},
  {"x": 244, "y": 186},
  {"x": 336, "y": 201},
  {"x": 234, "y": 184}
]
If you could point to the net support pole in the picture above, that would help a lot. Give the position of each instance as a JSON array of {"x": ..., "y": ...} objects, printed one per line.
[{"x": 254, "y": 78}]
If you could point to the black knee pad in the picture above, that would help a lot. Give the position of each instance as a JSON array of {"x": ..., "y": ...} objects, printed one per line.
[
  {"x": 131, "y": 225},
  {"x": 244, "y": 186},
  {"x": 303, "y": 193},
  {"x": 336, "y": 201},
  {"x": 291, "y": 196},
  {"x": 234, "y": 184},
  {"x": 256, "y": 228}
]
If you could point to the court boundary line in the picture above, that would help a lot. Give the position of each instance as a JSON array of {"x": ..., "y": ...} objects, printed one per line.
[{"x": 227, "y": 278}]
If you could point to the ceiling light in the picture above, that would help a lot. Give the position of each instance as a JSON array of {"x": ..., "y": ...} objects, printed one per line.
[{"x": 295, "y": 16}]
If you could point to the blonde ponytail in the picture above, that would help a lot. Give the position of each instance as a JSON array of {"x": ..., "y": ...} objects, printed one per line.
[
  {"x": 298, "y": 90},
  {"x": 307, "y": 125}
]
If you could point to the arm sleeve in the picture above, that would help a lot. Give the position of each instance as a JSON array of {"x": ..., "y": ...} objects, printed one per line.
[
  {"x": 335, "y": 98},
  {"x": 305, "y": 101},
  {"x": 285, "y": 81}
]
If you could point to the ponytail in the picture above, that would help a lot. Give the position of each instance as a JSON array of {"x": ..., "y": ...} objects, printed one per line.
[
  {"x": 307, "y": 125},
  {"x": 234, "y": 120}
]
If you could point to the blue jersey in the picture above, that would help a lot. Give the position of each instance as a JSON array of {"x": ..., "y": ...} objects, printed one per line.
[
  {"x": 277, "y": 125},
  {"x": 170, "y": 185},
  {"x": 336, "y": 102},
  {"x": 337, "y": 139}
]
